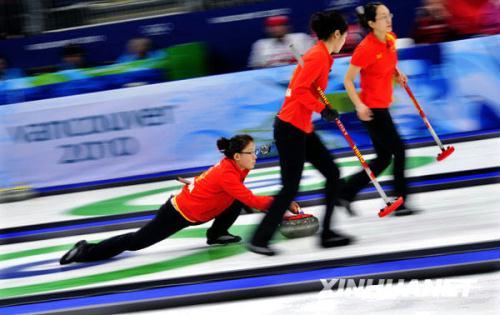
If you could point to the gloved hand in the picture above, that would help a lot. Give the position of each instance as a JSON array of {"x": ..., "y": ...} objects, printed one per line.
[{"x": 329, "y": 114}]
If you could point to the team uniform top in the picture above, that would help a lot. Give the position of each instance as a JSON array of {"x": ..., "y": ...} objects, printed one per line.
[
  {"x": 215, "y": 190},
  {"x": 377, "y": 61},
  {"x": 302, "y": 97}
]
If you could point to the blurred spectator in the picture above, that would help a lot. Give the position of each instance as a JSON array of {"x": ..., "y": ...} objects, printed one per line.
[
  {"x": 73, "y": 57},
  {"x": 431, "y": 24},
  {"x": 473, "y": 17},
  {"x": 34, "y": 19},
  {"x": 139, "y": 48},
  {"x": 275, "y": 50},
  {"x": 355, "y": 34},
  {"x": 491, "y": 18},
  {"x": 11, "y": 18},
  {"x": 442, "y": 20},
  {"x": 6, "y": 72}
]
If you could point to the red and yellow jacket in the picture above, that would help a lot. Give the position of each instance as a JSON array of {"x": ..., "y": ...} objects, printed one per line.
[
  {"x": 302, "y": 98},
  {"x": 215, "y": 190},
  {"x": 377, "y": 61}
]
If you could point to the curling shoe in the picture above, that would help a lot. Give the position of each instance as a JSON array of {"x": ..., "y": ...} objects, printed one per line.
[
  {"x": 223, "y": 239},
  {"x": 73, "y": 253},
  {"x": 330, "y": 238}
]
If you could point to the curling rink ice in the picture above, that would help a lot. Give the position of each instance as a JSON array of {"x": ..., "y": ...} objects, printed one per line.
[
  {"x": 450, "y": 216},
  {"x": 483, "y": 298}
]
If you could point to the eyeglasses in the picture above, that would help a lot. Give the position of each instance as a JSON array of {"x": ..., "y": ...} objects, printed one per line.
[
  {"x": 251, "y": 152},
  {"x": 386, "y": 17},
  {"x": 264, "y": 149}
]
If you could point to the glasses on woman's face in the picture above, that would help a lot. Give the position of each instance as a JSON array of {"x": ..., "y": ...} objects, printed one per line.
[
  {"x": 263, "y": 150},
  {"x": 250, "y": 152},
  {"x": 386, "y": 17}
]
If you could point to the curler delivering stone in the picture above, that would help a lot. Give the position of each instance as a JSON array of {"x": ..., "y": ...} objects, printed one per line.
[{"x": 299, "y": 225}]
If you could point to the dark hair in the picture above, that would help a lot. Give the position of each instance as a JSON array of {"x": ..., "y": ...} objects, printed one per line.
[
  {"x": 367, "y": 13},
  {"x": 325, "y": 23},
  {"x": 234, "y": 145}
]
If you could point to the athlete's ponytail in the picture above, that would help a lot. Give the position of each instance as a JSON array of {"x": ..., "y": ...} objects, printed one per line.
[
  {"x": 234, "y": 145},
  {"x": 325, "y": 23},
  {"x": 366, "y": 13}
]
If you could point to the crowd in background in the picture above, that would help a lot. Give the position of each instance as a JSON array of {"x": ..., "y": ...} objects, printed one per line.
[
  {"x": 436, "y": 21},
  {"x": 75, "y": 56},
  {"x": 444, "y": 20}
]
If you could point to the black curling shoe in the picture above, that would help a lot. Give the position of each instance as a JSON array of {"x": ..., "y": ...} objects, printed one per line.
[
  {"x": 223, "y": 239},
  {"x": 334, "y": 239},
  {"x": 73, "y": 253}
]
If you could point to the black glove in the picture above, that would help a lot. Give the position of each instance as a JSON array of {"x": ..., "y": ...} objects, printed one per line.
[{"x": 329, "y": 114}]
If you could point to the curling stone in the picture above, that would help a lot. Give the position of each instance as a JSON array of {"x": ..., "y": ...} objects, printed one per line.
[
  {"x": 17, "y": 193},
  {"x": 299, "y": 225}
]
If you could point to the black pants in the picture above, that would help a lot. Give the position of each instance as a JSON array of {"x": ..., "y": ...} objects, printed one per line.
[
  {"x": 294, "y": 148},
  {"x": 166, "y": 222},
  {"x": 387, "y": 143}
]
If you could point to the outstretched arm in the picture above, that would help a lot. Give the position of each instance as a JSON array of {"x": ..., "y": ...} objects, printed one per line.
[
  {"x": 364, "y": 113},
  {"x": 294, "y": 207}
]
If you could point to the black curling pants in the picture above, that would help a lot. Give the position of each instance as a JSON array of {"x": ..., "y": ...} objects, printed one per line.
[
  {"x": 387, "y": 143},
  {"x": 166, "y": 222},
  {"x": 295, "y": 148}
]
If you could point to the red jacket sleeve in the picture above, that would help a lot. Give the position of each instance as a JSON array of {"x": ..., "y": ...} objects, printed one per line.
[
  {"x": 306, "y": 82},
  {"x": 232, "y": 184},
  {"x": 363, "y": 56}
]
